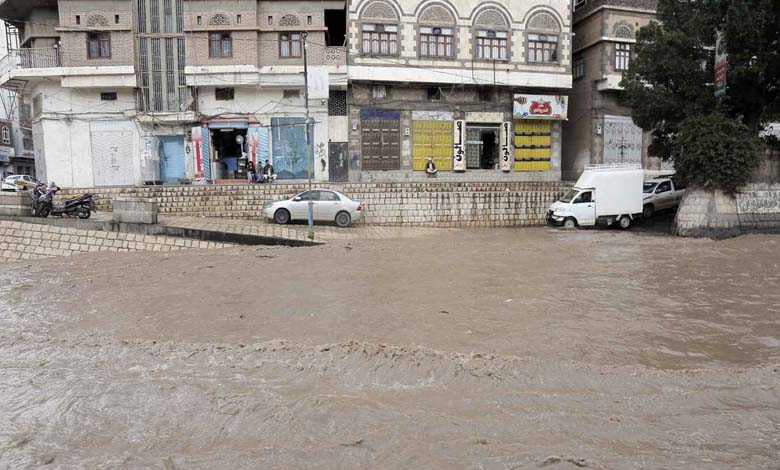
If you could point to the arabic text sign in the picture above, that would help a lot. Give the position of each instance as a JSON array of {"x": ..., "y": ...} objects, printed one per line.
[{"x": 540, "y": 107}]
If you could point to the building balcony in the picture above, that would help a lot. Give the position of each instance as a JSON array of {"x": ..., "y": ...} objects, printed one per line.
[{"x": 609, "y": 82}]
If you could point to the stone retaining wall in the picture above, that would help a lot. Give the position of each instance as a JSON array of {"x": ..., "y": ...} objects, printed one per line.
[
  {"x": 432, "y": 204},
  {"x": 29, "y": 241},
  {"x": 755, "y": 209}
]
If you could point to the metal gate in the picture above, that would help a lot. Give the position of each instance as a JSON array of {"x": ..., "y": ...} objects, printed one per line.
[
  {"x": 338, "y": 168},
  {"x": 432, "y": 139},
  {"x": 112, "y": 158},
  {"x": 381, "y": 137},
  {"x": 622, "y": 140},
  {"x": 172, "y": 157}
]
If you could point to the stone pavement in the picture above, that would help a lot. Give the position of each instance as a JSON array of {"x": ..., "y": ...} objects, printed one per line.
[{"x": 298, "y": 231}]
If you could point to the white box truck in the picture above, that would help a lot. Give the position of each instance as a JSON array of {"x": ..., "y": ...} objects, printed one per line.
[{"x": 604, "y": 194}]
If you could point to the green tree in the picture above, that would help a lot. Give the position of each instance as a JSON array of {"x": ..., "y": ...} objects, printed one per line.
[{"x": 671, "y": 80}]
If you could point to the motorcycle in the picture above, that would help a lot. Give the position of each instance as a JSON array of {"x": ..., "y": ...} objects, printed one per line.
[{"x": 43, "y": 203}]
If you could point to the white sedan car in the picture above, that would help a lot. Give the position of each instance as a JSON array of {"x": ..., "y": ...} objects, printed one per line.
[
  {"x": 327, "y": 205},
  {"x": 19, "y": 182}
]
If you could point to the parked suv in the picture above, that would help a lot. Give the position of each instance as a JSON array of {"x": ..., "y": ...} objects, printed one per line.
[{"x": 661, "y": 194}]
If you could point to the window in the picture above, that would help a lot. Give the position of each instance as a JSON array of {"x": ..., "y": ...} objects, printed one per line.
[
  {"x": 337, "y": 103},
  {"x": 116, "y": 19},
  {"x": 99, "y": 45},
  {"x": 542, "y": 48},
  {"x": 306, "y": 195},
  {"x": 220, "y": 45},
  {"x": 329, "y": 196},
  {"x": 435, "y": 94},
  {"x": 491, "y": 45},
  {"x": 78, "y": 19},
  {"x": 578, "y": 67},
  {"x": 224, "y": 94},
  {"x": 290, "y": 45},
  {"x": 379, "y": 92},
  {"x": 583, "y": 198},
  {"x": 270, "y": 20},
  {"x": 664, "y": 187},
  {"x": 436, "y": 42},
  {"x": 200, "y": 20},
  {"x": 238, "y": 19},
  {"x": 308, "y": 20},
  {"x": 291, "y": 94},
  {"x": 622, "y": 56},
  {"x": 380, "y": 39},
  {"x": 579, "y": 4},
  {"x": 6, "y": 135},
  {"x": 108, "y": 96}
]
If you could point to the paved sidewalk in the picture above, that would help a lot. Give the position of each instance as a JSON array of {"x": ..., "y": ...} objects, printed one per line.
[{"x": 322, "y": 233}]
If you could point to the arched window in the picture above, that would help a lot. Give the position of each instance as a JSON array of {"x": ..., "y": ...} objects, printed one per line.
[
  {"x": 543, "y": 35},
  {"x": 437, "y": 32},
  {"x": 379, "y": 27},
  {"x": 491, "y": 35}
]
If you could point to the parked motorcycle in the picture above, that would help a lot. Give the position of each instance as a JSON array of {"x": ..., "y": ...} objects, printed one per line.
[{"x": 43, "y": 203}]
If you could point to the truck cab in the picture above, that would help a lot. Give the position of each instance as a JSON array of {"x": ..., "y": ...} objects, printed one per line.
[{"x": 661, "y": 194}]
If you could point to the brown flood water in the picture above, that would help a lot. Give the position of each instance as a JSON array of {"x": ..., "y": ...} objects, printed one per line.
[{"x": 501, "y": 349}]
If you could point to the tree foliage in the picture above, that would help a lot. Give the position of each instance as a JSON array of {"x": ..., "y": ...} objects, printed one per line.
[
  {"x": 671, "y": 80},
  {"x": 716, "y": 152}
]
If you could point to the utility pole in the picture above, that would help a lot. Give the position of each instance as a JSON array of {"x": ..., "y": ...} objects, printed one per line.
[{"x": 308, "y": 138}]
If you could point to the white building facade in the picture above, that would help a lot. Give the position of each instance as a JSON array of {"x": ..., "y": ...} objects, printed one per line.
[{"x": 130, "y": 92}]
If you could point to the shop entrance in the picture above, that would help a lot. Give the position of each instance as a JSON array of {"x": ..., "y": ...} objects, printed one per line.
[
  {"x": 482, "y": 146},
  {"x": 231, "y": 157}
]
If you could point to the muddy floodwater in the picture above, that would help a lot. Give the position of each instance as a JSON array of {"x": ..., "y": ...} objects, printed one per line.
[{"x": 500, "y": 349}]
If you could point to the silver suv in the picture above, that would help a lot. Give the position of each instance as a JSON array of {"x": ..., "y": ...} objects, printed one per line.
[{"x": 661, "y": 194}]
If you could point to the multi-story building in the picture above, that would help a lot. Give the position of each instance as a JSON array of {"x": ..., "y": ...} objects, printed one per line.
[
  {"x": 125, "y": 92},
  {"x": 599, "y": 129},
  {"x": 434, "y": 78}
]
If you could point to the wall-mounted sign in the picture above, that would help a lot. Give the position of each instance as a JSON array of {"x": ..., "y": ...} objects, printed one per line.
[
  {"x": 506, "y": 146},
  {"x": 459, "y": 146},
  {"x": 540, "y": 107},
  {"x": 197, "y": 140},
  {"x": 721, "y": 65}
]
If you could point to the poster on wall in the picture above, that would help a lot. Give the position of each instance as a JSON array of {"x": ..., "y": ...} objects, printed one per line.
[
  {"x": 506, "y": 152},
  {"x": 258, "y": 144},
  {"x": 540, "y": 107},
  {"x": 721, "y": 65},
  {"x": 458, "y": 146}
]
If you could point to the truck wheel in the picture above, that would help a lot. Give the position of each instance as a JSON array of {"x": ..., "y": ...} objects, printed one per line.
[
  {"x": 569, "y": 223},
  {"x": 648, "y": 211},
  {"x": 624, "y": 222}
]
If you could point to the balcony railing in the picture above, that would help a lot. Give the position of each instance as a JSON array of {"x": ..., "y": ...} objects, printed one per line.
[
  {"x": 334, "y": 55},
  {"x": 30, "y": 59}
]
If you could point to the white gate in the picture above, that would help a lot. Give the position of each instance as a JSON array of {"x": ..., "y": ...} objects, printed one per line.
[
  {"x": 112, "y": 158},
  {"x": 622, "y": 140}
]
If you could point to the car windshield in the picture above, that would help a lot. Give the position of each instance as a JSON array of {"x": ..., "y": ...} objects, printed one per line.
[
  {"x": 648, "y": 187},
  {"x": 569, "y": 196}
]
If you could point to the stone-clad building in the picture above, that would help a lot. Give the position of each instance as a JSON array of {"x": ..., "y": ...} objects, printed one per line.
[
  {"x": 125, "y": 92},
  {"x": 599, "y": 129}
]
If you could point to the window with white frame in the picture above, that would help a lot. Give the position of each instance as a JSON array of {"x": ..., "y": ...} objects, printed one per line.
[
  {"x": 491, "y": 45},
  {"x": 380, "y": 39},
  {"x": 622, "y": 56},
  {"x": 290, "y": 45},
  {"x": 543, "y": 48},
  {"x": 6, "y": 135},
  {"x": 436, "y": 42}
]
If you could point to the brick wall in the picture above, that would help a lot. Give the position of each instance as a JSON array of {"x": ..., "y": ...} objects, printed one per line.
[
  {"x": 430, "y": 204},
  {"x": 74, "y": 50},
  {"x": 30, "y": 241},
  {"x": 755, "y": 209},
  {"x": 244, "y": 48}
]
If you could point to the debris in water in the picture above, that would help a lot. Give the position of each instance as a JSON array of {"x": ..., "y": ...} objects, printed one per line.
[
  {"x": 353, "y": 444},
  {"x": 555, "y": 459}
]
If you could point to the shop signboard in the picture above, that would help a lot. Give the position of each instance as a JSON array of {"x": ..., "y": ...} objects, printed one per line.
[
  {"x": 459, "y": 145},
  {"x": 721, "y": 65},
  {"x": 551, "y": 107},
  {"x": 197, "y": 144},
  {"x": 506, "y": 152}
]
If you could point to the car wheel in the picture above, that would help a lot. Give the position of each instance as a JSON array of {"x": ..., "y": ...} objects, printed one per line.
[
  {"x": 343, "y": 219},
  {"x": 569, "y": 223},
  {"x": 624, "y": 222},
  {"x": 648, "y": 211},
  {"x": 282, "y": 216}
]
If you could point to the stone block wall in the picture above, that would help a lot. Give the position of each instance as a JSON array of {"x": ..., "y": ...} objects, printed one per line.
[
  {"x": 428, "y": 204},
  {"x": 755, "y": 209},
  {"x": 30, "y": 241}
]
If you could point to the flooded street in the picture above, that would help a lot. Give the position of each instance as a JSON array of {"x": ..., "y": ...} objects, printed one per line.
[{"x": 463, "y": 349}]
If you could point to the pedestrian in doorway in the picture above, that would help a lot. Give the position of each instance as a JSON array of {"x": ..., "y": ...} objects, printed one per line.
[
  {"x": 430, "y": 167},
  {"x": 250, "y": 171}
]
